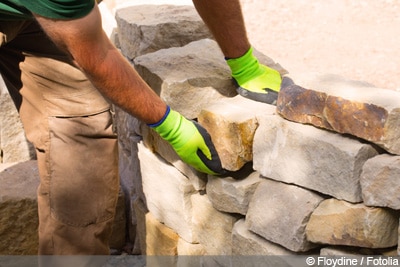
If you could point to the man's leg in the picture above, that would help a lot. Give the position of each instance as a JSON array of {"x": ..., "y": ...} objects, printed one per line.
[{"x": 70, "y": 125}]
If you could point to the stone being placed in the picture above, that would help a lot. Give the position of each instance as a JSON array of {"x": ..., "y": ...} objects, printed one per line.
[
  {"x": 188, "y": 78},
  {"x": 344, "y": 106},
  {"x": 232, "y": 123},
  {"x": 313, "y": 158}
]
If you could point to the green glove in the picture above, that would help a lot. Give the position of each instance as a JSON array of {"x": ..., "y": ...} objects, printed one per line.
[
  {"x": 255, "y": 81},
  {"x": 190, "y": 141}
]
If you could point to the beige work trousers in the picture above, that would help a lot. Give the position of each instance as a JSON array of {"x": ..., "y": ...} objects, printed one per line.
[{"x": 70, "y": 126}]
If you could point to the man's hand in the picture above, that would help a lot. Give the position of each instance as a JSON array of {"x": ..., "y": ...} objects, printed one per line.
[
  {"x": 254, "y": 80},
  {"x": 190, "y": 141}
]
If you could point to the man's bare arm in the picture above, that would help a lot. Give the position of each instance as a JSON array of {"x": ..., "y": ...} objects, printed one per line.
[{"x": 84, "y": 40}]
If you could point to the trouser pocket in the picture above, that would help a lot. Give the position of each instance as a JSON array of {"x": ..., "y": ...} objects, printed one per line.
[{"x": 83, "y": 169}]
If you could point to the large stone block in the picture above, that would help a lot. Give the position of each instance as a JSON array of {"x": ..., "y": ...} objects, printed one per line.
[
  {"x": 310, "y": 157},
  {"x": 232, "y": 124},
  {"x": 188, "y": 78},
  {"x": 280, "y": 212},
  {"x": 345, "y": 106},
  {"x": 168, "y": 193},
  {"x": 338, "y": 222},
  {"x": 380, "y": 181},
  {"x": 144, "y": 29}
]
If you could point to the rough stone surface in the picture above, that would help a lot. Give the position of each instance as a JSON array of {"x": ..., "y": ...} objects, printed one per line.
[
  {"x": 280, "y": 212},
  {"x": 155, "y": 143},
  {"x": 231, "y": 195},
  {"x": 189, "y": 249},
  {"x": 144, "y": 29},
  {"x": 167, "y": 193},
  {"x": 344, "y": 106},
  {"x": 244, "y": 242},
  {"x": 337, "y": 222},
  {"x": 13, "y": 144},
  {"x": 310, "y": 157},
  {"x": 188, "y": 78},
  {"x": 232, "y": 124},
  {"x": 380, "y": 181},
  {"x": 213, "y": 228},
  {"x": 18, "y": 208}
]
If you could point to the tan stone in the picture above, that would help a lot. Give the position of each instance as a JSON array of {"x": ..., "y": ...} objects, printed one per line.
[
  {"x": 313, "y": 158},
  {"x": 380, "y": 181},
  {"x": 13, "y": 143},
  {"x": 188, "y": 78},
  {"x": 245, "y": 242},
  {"x": 345, "y": 106},
  {"x": 337, "y": 222},
  {"x": 167, "y": 193},
  {"x": 231, "y": 195},
  {"x": 18, "y": 208},
  {"x": 232, "y": 124},
  {"x": 279, "y": 213},
  {"x": 213, "y": 228},
  {"x": 144, "y": 29},
  {"x": 189, "y": 249}
]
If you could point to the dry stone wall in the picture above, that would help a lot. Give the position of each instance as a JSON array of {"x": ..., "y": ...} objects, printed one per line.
[{"x": 316, "y": 174}]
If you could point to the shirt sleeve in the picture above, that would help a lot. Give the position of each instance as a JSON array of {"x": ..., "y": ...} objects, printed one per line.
[{"x": 59, "y": 9}]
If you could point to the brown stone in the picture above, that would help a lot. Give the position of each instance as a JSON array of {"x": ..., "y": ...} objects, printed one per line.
[
  {"x": 344, "y": 106},
  {"x": 338, "y": 222}
]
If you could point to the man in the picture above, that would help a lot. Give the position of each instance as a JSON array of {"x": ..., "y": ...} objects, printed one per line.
[{"x": 62, "y": 72}]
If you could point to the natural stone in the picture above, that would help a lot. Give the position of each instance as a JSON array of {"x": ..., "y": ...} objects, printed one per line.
[
  {"x": 144, "y": 29},
  {"x": 167, "y": 192},
  {"x": 213, "y": 228},
  {"x": 154, "y": 237},
  {"x": 231, "y": 195},
  {"x": 232, "y": 124},
  {"x": 244, "y": 242},
  {"x": 345, "y": 106},
  {"x": 189, "y": 249},
  {"x": 155, "y": 143},
  {"x": 338, "y": 222},
  {"x": 380, "y": 181},
  {"x": 188, "y": 78},
  {"x": 279, "y": 213},
  {"x": 310, "y": 157},
  {"x": 18, "y": 208},
  {"x": 13, "y": 143}
]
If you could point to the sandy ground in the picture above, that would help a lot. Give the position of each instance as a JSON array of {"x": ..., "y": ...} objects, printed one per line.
[{"x": 356, "y": 39}]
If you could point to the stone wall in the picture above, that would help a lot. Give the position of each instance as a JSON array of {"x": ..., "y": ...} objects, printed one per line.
[{"x": 316, "y": 174}]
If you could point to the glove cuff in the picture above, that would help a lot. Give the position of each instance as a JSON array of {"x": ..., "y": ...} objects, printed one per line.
[
  {"x": 245, "y": 67},
  {"x": 153, "y": 125}
]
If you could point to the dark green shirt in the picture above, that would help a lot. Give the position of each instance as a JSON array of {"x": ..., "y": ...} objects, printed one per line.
[{"x": 55, "y": 9}]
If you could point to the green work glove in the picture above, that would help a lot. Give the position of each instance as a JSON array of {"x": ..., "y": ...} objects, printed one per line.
[
  {"x": 255, "y": 81},
  {"x": 190, "y": 141}
]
